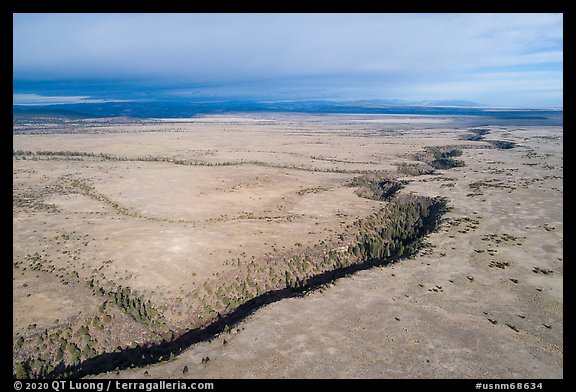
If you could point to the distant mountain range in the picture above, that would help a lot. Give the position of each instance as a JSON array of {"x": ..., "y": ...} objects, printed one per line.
[
  {"x": 179, "y": 109},
  {"x": 399, "y": 102}
]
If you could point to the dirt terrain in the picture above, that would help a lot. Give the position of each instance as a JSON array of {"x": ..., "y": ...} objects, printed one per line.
[{"x": 129, "y": 235}]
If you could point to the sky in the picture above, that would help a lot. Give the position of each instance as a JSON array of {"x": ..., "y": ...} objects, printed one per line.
[{"x": 493, "y": 59}]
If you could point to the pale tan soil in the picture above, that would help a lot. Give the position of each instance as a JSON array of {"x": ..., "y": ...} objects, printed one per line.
[{"x": 420, "y": 318}]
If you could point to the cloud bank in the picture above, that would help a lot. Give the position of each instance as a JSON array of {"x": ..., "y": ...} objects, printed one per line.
[{"x": 492, "y": 58}]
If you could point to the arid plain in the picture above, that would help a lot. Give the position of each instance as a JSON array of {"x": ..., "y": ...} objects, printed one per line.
[{"x": 128, "y": 235}]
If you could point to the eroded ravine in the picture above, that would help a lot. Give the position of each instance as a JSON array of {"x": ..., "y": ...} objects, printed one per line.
[
  {"x": 393, "y": 232},
  {"x": 388, "y": 236}
]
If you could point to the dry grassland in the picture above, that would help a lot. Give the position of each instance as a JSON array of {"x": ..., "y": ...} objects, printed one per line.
[{"x": 127, "y": 236}]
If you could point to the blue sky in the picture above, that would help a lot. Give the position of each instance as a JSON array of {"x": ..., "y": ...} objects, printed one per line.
[{"x": 493, "y": 59}]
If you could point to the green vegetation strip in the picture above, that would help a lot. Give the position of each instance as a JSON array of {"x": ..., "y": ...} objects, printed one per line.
[
  {"x": 477, "y": 135},
  {"x": 80, "y": 156},
  {"x": 376, "y": 186}
]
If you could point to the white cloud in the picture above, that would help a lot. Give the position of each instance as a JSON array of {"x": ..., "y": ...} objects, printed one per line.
[
  {"x": 235, "y": 47},
  {"x": 42, "y": 100}
]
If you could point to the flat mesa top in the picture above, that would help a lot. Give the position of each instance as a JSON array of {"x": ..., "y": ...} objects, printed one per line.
[{"x": 133, "y": 233}]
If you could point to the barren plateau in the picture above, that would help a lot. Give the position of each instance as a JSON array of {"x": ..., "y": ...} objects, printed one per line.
[{"x": 133, "y": 243}]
